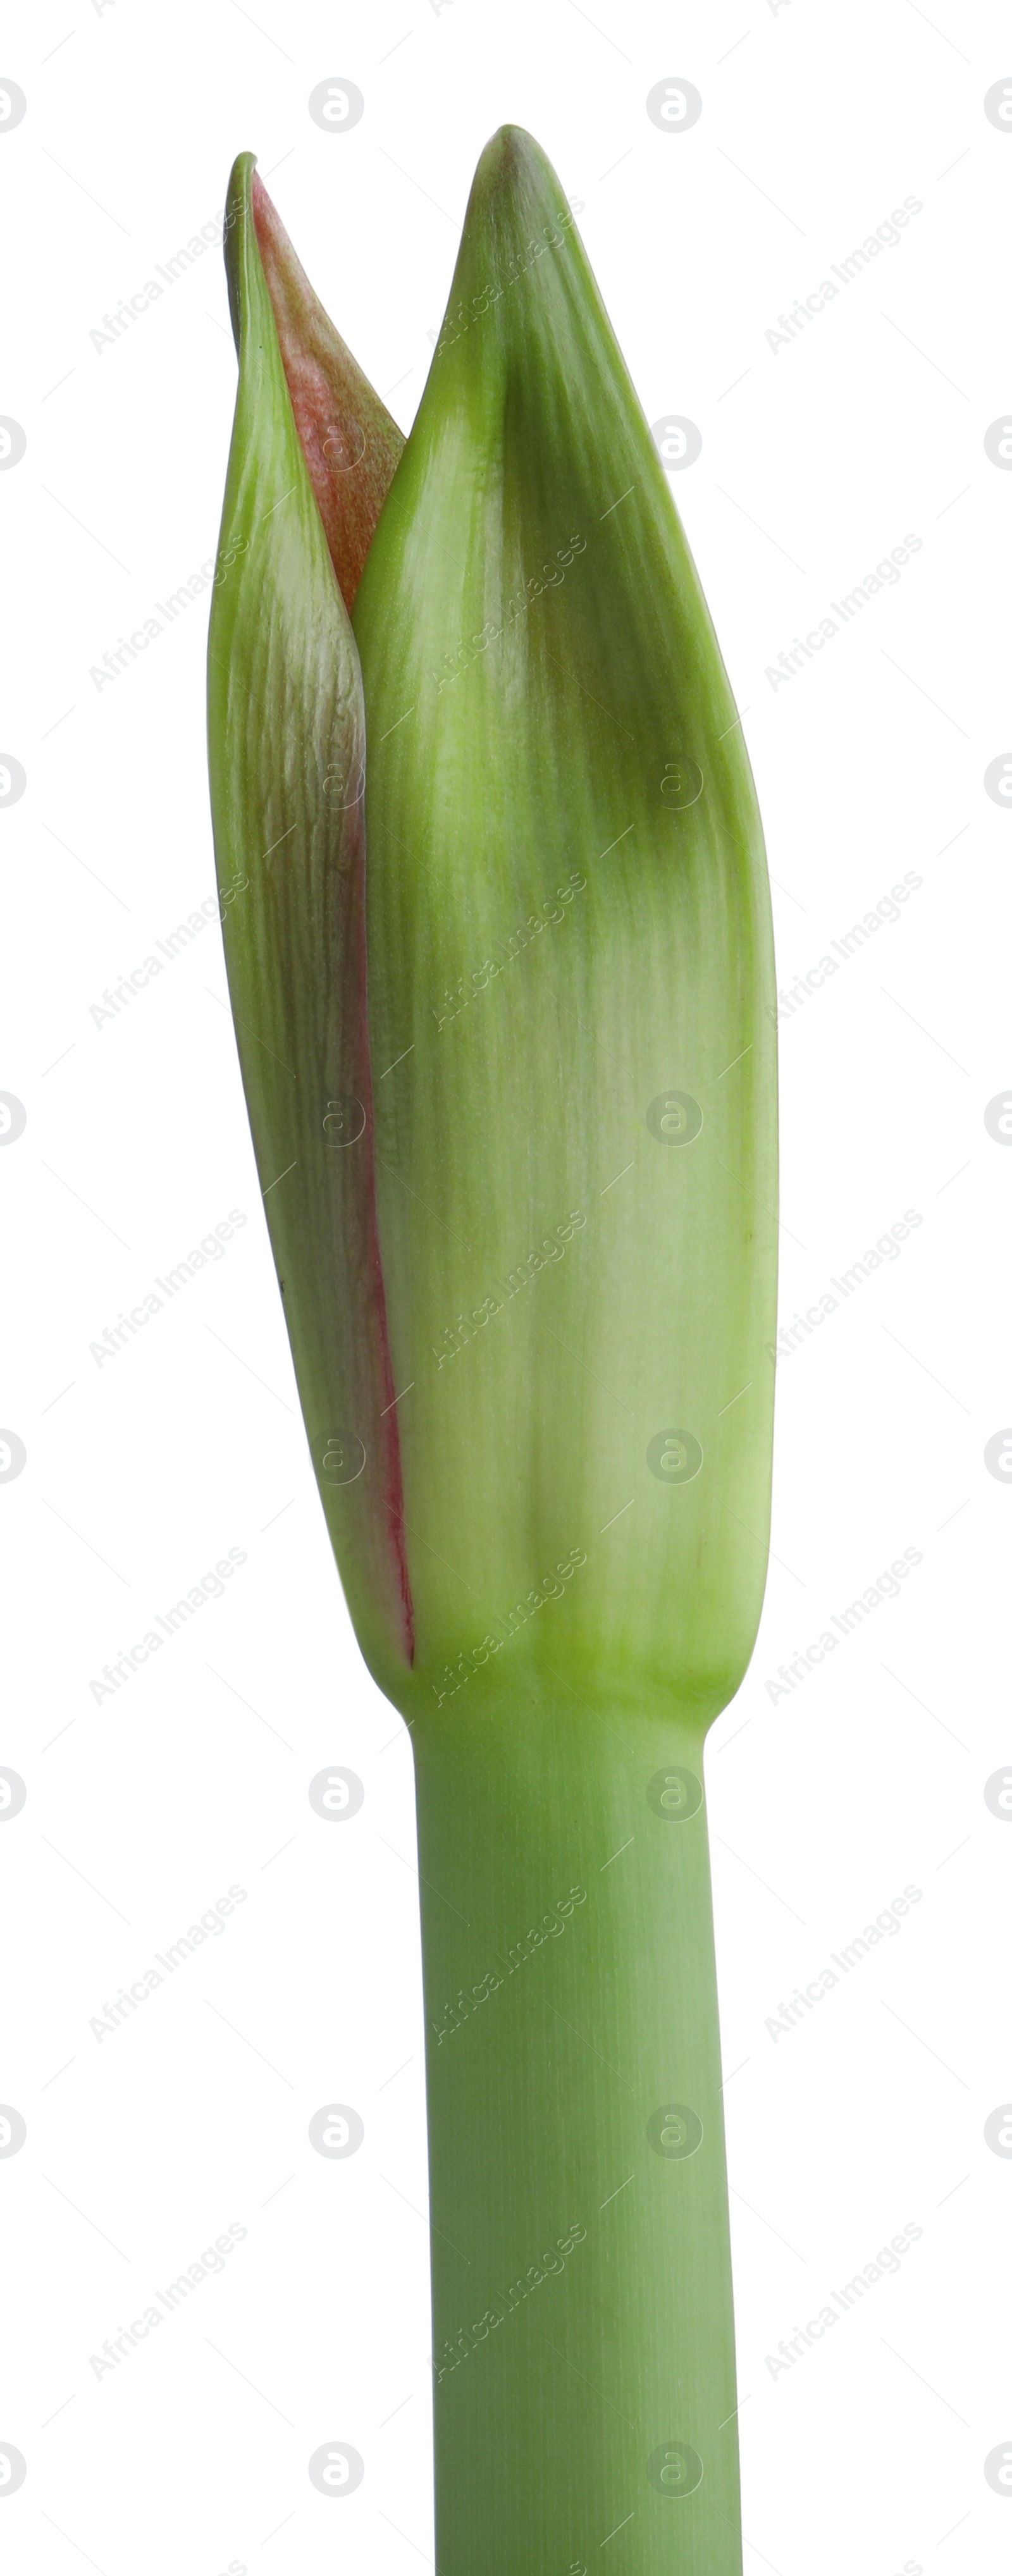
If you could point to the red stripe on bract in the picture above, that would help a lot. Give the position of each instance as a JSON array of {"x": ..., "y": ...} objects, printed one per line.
[
  {"x": 349, "y": 441},
  {"x": 393, "y": 1482}
]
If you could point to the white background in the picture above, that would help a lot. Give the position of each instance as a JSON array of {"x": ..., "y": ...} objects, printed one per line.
[{"x": 816, "y": 460}]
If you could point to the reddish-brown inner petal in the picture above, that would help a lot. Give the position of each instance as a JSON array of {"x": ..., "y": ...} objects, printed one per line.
[{"x": 350, "y": 442}]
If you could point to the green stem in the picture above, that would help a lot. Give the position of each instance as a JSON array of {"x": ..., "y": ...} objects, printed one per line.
[{"x": 564, "y": 2102}]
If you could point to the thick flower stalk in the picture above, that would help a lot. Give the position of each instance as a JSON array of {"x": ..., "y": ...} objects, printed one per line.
[{"x": 502, "y": 974}]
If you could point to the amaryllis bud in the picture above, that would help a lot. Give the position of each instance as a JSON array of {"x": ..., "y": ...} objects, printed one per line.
[{"x": 503, "y": 983}]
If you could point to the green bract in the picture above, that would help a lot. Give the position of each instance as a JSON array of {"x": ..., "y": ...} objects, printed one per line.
[
  {"x": 286, "y": 731},
  {"x": 498, "y": 941}
]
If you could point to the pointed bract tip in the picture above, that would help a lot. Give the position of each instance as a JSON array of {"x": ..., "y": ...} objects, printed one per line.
[
  {"x": 512, "y": 166},
  {"x": 349, "y": 440},
  {"x": 507, "y": 152},
  {"x": 237, "y": 194}
]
